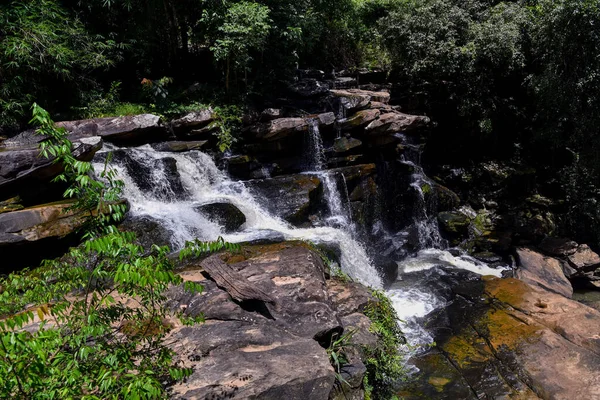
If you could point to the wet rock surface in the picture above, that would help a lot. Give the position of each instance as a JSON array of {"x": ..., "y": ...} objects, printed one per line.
[
  {"x": 267, "y": 351},
  {"x": 502, "y": 338},
  {"x": 225, "y": 214},
  {"x": 290, "y": 197}
]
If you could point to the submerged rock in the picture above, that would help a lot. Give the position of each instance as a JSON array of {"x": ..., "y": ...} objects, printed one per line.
[{"x": 225, "y": 214}]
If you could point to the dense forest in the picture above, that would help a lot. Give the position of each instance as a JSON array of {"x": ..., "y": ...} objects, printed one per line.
[
  {"x": 495, "y": 76},
  {"x": 461, "y": 141}
]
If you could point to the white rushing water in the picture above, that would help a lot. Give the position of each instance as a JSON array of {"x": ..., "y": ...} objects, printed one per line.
[
  {"x": 204, "y": 183},
  {"x": 414, "y": 301}
]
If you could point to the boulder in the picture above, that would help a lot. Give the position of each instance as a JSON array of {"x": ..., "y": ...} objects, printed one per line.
[
  {"x": 558, "y": 247},
  {"x": 356, "y": 99},
  {"x": 40, "y": 222},
  {"x": 324, "y": 119},
  {"x": 22, "y": 167},
  {"x": 225, "y": 214},
  {"x": 359, "y": 119},
  {"x": 267, "y": 351},
  {"x": 148, "y": 231},
  {"x": 391, "y": 123},
  {"x": 178, "y": 146},
  {"x": 193, "y": 119},
  {"x": 584, "y": 259},
  {"x": 291, "y": 197},
  {"x": 344, "y": 144},
  {"x": 283, "y": 127},
  {"x": 142, "y": 128},
  {"x": 454, "y": 222},
  {"x": 514, "y": 340},
  {"x": 352, "y": 100},
  {"x": 546, "y": 272}
]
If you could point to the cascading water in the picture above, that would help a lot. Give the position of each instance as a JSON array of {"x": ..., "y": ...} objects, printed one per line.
[
  {"x": 339, "y": 215},
  {"x": 410, "y": 294},
  {"x": 201, "y": 182}
]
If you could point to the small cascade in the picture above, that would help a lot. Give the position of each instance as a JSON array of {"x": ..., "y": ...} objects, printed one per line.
[
  {"x": 339, "y": 115},
  {"x": 425, "y": 199},
  {"x": 338, "y": 215},
  {"x": 316, "y": 150},
  {"x": 195, "y": 181}
]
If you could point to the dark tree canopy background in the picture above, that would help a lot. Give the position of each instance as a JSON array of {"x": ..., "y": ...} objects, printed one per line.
[{"x": 495, "y": 76}]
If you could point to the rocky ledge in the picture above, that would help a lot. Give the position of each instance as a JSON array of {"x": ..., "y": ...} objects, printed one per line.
[
  {"x": 263, "y": 350},
  {"x": 510, "y": 338}
]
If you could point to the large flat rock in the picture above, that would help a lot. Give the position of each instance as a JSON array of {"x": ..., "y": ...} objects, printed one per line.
[
  {"x": 274, "y": 351},
  {"x": 505, "y": 338}
]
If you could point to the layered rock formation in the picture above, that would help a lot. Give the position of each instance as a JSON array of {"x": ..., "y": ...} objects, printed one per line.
[{"x": 273, "y": 351}]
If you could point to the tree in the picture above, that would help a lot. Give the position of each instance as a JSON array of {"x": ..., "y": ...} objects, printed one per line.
[
  {"x": 244, "y": 29},
  {"x": 44, "y": 46}
]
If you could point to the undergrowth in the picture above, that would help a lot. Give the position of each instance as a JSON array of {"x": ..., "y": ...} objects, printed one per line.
[{"x": 384, "y": 362}]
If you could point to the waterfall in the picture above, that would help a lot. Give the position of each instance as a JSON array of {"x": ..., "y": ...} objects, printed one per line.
[
  {"x": 196, "y": 180},
  {"x": 410, "y": 296},
  {"x": 316, "y": 151}
]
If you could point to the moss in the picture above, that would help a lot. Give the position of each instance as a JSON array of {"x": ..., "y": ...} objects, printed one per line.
[
  {"x": 426, "y": 188},
  {"x": 497, "y": 327},
  {"x": 384, "y": 362},
  {"x": 438, "y": 382}
]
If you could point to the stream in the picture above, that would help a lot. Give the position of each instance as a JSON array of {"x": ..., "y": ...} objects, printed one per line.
[{"x": 168, "y": 188}]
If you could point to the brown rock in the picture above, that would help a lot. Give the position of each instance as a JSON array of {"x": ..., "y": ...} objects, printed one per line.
[
  {"x": 194, "y": 119},
  {"x": 132, "y": 128},
  {"x": 359, "y": 119},
  {"x": 35, "y": 223},
  {"x": 178, "y": 146},
  {"x": 546, "y": 272},
  {"x": 584, "y": 259},
  {"x": 290, "y": 197},
  {"x": 343, "y": 144},
  {"x": 558, "y": 247},
  {"x": 24, "y": 166},
  {"x": 396, "y": 122}
]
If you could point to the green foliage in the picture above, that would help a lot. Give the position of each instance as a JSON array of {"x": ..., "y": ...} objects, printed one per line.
[
  {"x": 198, "y": 248},
  {"x": 101, "y": 324},
  {"x": 108, "y": 105},
  {"x": 469, "y": 48},
  {"x": 229, "y": 121},
  {"x": 384, "y": 363},
  {"x": 101, "y": 199},
  {"x": 336, "y": 351},
  {"x": 244, "y": 29},
  {"x": 43, "y": 44}
]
